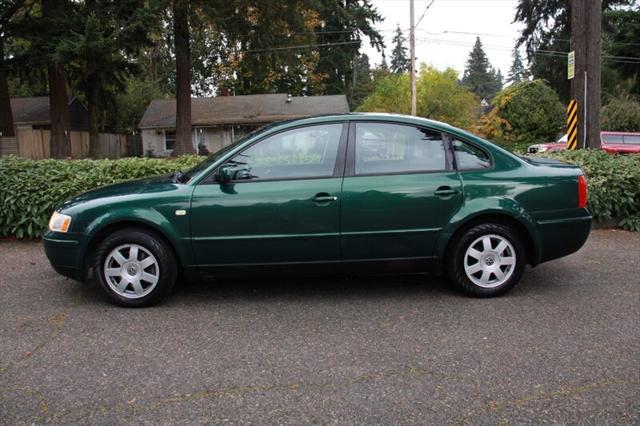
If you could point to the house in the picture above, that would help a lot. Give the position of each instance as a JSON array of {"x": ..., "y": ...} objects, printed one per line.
[
  {"x": 34, "y": 113},
  {"x": 218, "y": 121},
  {"x": 32, "y": 121}
]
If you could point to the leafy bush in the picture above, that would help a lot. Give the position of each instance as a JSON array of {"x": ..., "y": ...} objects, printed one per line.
[
  {"x": 524, "y": 113},
  {"x": 30, "y": 190},
  {"x": 614, "y": 184},
  {"x": 621, "y": 114}
]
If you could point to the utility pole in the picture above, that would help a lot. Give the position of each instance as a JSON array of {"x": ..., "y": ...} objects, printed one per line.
[
  {"x": 412, "y": 50},
  {"x": 586, "y": 28}
]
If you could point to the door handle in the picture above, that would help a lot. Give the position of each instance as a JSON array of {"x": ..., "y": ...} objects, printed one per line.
[
  {"x": 445, "y": 191},
  {"x": 323, "y": 197}
]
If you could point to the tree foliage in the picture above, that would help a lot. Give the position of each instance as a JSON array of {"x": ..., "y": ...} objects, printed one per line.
[
  {"x": 517, "y": 72},
  {"x": 479, "y": 76},
  {"x": 524, "y": 113},
  {"x": 547, "y": 28},
  {"x": 439, "y": 96},
  {"x": 621, "y": 114},
  {"x": 399, "y": 58}
]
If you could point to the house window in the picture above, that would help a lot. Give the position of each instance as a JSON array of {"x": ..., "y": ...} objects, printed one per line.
[{"x": 169, "y": 140}]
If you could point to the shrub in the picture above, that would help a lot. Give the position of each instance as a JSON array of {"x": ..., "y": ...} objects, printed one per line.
[
  {"x": 614, "y": 184},
  {"x": 524, "y": 113},
  {"x": 621, "y": 114},
  {"x": 30, "y": 190}
]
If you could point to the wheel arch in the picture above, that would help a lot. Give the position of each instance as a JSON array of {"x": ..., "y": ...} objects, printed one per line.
[
  {"x": 525, "y": 231},
  {"x": 100, "y": 233}
]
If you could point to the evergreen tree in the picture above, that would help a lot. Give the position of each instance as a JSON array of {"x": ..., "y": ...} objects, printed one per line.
[
  {"x": 479, "y": 76},
  {"x": 100, "y": 53},
  {"x": 517, "y": 71},
  {"x": 399, "y": 60},
  {"x": 363, "y": 83}
]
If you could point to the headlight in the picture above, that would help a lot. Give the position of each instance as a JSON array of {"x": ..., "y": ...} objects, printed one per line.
[{"x": 59, "y": 222}]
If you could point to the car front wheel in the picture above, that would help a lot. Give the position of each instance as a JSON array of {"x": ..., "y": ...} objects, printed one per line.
[
  {"x": 486, "y": 260},
  {"x": 135, "y": 268}
]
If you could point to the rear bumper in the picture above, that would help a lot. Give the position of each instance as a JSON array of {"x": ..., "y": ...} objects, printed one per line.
[
  {"x": 561, "y": 237},
  {"x": 65, "y": 253}
]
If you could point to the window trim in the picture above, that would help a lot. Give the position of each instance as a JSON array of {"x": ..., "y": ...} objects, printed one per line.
[
  {"x": 451, "y": 137},
  {"x": 164, "y": 140},
  {"x": 351, "y": 151},
  {"x": 338, "y": 169}
]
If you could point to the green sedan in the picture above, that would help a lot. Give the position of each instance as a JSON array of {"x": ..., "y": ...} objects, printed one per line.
[{"x": 354, "y": 193}]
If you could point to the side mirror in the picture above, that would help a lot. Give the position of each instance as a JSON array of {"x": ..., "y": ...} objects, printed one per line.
[
  {"x": 225, "y": 173},
  {"x": 228, "y": 172}
]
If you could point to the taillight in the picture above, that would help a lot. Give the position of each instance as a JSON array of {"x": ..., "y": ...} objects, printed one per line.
[{"x": 582, "y": 192}]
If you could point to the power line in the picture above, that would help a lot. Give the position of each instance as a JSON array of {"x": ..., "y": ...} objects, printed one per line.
[
  {"x": 424, "y": 13},
  {"x": 306, "y": 46}
]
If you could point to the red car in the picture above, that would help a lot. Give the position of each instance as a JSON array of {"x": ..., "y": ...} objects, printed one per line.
[
  {"x": 610, "y": 142},
  {"x": 620, "y": 142}
]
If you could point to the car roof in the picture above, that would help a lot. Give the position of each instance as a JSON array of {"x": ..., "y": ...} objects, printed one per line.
[
  {"x": 606, "y": 132},
  {"x": 369, "y": 116}
]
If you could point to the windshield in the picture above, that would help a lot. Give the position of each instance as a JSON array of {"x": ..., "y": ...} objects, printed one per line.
[{"x": 185, "y": 177}]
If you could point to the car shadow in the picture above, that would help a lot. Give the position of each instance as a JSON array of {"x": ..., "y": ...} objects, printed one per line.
[{"x": 300, "y": 288}]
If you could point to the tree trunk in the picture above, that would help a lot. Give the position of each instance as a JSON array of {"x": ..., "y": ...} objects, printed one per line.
[
  {"x": 59, "y": 111},
  {"x": 183, "y": 143},
  {"x": 94, "y": 114},
  {"x": 6, "y": 116}
]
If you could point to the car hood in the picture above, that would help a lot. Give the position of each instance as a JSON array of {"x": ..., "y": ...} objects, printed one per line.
[{"x": 155, "y": 184}]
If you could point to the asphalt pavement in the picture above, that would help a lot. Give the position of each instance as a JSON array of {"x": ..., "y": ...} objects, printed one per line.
[{"x": 563, "y": 346}]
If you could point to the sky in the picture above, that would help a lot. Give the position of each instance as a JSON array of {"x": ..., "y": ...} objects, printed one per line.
[{"x": 449, "y": 29}]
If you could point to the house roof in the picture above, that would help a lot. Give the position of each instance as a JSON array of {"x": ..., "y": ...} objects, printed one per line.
[
  {"x": 35, "y": 110},
  {"x": 246, "y": 109},
  {"x": 30, "y": 110}
]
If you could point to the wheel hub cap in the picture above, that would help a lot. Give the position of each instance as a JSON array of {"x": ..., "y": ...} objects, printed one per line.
[
  {"x": 131, "y": 271},
  {"x": 490, "y": 261}
]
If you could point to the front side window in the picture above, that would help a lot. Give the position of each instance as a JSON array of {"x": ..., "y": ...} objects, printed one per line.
[
  {"x": 632, "y": 139},
  {"x": 391, "y": 148},
  {"x": 468, "y": 156},
  {"x": 307, "y": 152}
]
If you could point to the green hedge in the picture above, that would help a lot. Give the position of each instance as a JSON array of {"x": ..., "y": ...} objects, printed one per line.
[
  {"x": 30, "y": 190},
  {"x": 614, "y": 184}
]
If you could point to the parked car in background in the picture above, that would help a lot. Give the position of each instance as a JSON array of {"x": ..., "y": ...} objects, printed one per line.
[
  {"x": 559, "y": 145},
  {"x": 620, "y": 142},
  {"x": 610, "y": 142},
  {"x": 356, "y": 193}
]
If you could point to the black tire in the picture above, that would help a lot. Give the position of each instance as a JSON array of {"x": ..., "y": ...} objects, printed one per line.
[
  {"x": 455, "y": 260},
  {"x": 167, "y": 265}
]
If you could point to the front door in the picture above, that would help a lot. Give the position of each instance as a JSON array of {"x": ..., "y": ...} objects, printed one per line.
[
  {"x": 283, "y": 209},
  {"x": 399, "y": 191}
]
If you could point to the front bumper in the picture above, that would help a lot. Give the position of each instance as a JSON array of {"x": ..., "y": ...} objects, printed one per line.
[{"x": 65, "y": 253}]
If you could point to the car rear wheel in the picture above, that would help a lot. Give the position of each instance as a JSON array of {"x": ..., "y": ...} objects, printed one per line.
[
  {"x": 486, "y": 260},
  {"x": 135, "y": 267}
]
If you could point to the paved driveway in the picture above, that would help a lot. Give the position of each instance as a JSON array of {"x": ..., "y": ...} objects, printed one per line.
[{"x": 563, "y": 346}]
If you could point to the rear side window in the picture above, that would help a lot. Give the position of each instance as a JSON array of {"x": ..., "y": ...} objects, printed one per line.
[
  {"x": 469, "y": 157},
  {"x": 382, "y": 148},
  {"x": 632, "y": 139}
]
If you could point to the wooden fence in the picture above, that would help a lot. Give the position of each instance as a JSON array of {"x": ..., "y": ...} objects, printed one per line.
[
  {"x": 8, "y": 146},
  {"x": 35, "y": 144}
]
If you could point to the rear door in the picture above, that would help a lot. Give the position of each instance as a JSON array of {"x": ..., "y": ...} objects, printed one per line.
[{"x": 400, "y": 189}]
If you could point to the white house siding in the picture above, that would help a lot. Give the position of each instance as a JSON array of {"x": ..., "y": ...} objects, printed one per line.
[{"x": 213, "y": 138}]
